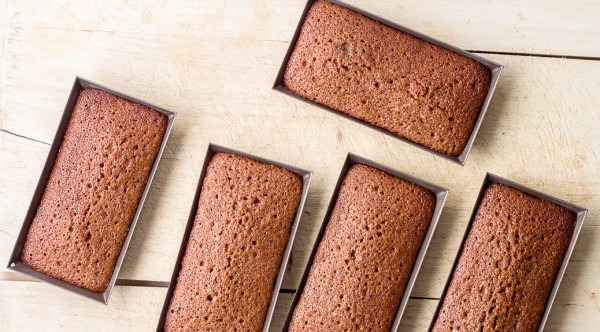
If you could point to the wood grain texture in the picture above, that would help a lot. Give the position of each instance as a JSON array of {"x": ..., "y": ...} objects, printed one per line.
[
  {"x": 215, "y": 62},
  {"x": 534, "y": 26},
  {"x": 4, "y": 12},
  {"x": 43, "y": 308}
]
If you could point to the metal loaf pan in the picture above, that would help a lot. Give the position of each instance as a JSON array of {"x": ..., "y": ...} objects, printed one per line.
[
  {"x": 15, "y": 262},
  {"x": 495, "y": 70},
  {"x": 440, "y": 199},
  {"x": 212, "y": 150},
  {"x": 579, "y": 212}
]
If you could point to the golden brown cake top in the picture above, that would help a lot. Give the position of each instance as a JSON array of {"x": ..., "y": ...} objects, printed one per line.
[
  {"x": 387, "y": 78},
  {"x": 365, "y": 258},
  {"x": 235, "y": 249},
  {"x": 508, "y": 264},
  {"x": 94, "y": 189}
]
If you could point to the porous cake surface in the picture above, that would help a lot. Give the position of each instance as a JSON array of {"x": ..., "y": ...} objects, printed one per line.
[
  {"x": 366, "y": 255},
  {"x": 94, "y": 189},
  {"x": 409, "y": 87},
  {"x": 235, "y": 249},
  {"x": 508, "y": 264}
]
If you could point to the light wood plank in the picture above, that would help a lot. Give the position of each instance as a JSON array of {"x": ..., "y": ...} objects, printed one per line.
[
  {"x": 4, "y": 13},
  {"x": 34, "y": 306},
  {"x": 534, "y": 26}
]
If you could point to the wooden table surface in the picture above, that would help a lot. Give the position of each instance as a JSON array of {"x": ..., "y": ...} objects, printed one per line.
[{"x": 214, "y": 63}]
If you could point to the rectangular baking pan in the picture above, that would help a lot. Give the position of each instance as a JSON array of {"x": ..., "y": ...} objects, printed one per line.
[
  {"x": 440, "y": 199},
  {"x": 579, "y": 211},
  {"x": 15, "y": 262},
  {"x": 495, "y": 70},
  {"x": 212, "y": 149}
]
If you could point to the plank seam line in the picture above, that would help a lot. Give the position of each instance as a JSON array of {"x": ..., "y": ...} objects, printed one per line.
[
  {"x": 165, "y": 284},
  {"x": 425, "y": 298},
  {"x": 554, "y": 56},
  {"x": 287, "y": 291},
  {"x": 13, "y": 276},
  {"x": 25, "y": 137},
  {"x": 141, "y": 283}
]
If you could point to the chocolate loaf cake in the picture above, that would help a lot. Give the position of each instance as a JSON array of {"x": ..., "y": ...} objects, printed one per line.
[
  {"x": 387, "y": 78},
  {"x": 508, "y": 264},
  {"x": 366, "y": 255},
  {"x": 94, "y": 189},
  {"x": 235, "y": 249}
]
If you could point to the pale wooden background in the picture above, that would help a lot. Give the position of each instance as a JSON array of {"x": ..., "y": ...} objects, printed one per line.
[{"x": 214, "y": 63}]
